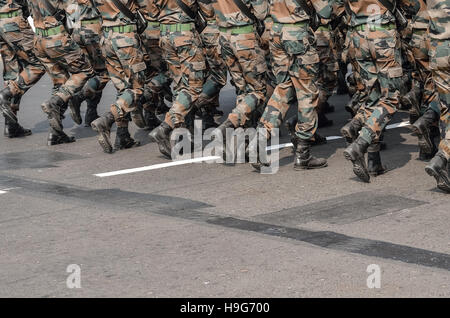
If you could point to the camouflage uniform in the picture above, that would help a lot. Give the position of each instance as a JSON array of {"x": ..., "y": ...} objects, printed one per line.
[
  {"x": 64, "y": 61},
  {"x": 326, "y": 48},
  {"x": 216, "y": 77},
  {"x": 87, "y": 34},
  {"x": 377, "y": 52},
  {"x": 21, "y": 68},
  {"x": 243, "y": 55},
  {"x": 296, "y": 67},
  {"x": 183, "y": 52},
  {"x": 422, "y": 91},
  {"x": 157, "y": 81},
  {"x": 439, "y": 33},
  {"x": 376, "y": 44},
  {"x": 124, "y": 54}
]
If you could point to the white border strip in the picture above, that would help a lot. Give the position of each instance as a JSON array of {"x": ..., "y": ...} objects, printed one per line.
[{"x": 157, "y": 166}]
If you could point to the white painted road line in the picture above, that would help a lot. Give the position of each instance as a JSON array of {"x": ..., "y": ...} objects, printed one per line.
[
  {"x": 3, "y": 192},
  {"x": 157, "y": 166},
  {"x": 210, "y": 158}
]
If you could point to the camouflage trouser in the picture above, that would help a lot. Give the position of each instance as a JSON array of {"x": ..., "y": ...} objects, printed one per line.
[
  {"x": 217, "y": 71},
  {"x": 296, "y": 67},
  {"x": 88, "y": 38},
  {"x": 65, "y": 62},
  {"x": 421, "y": 74},
  {"x": 21, "y": 69},
  {"x": 377, "y": 53},
  {"x": 184, "y": 55},
  {"x": 157, "y": 77},
  {"x": 126, "y": 68},
  {"x": 271, "y": 80},
  {"x": 440, "y": 66},
  {"x": 328, "y": 64},
  {"x": 247, "y": 66}
]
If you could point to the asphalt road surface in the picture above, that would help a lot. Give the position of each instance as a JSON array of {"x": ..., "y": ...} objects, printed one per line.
[{"x": 213, "y": 230}]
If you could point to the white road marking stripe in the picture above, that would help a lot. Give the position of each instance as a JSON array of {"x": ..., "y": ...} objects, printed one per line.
[
  {"x": 3, "y": 192},
  {"x": 157, "y": 166},
  {"x": 202, "y": 159}
]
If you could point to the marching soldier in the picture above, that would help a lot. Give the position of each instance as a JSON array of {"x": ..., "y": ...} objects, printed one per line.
[
  {"x": 122, "y": 49},
  {"x": 243, "y": 55},
  {"x": 296, "y": 67},
  {"x": 183, "y": 52},
  {"x": 439, "y": 34},
  {"x": 376, "y": 44},
  {"x": 21, "y": 68},
  {"x": 87, "y": 33},
  {"x": 63, "y": 60}
]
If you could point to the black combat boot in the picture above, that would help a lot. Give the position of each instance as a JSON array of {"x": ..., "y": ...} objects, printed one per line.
[
  {"x": 356, "y": 154},
  {"x": 54, "y": 108},
  {"x": 91, "y": 110},
  {"x": 374, "y": 165},
  {"x": 323, "y": 121},
  {"x": 253, "y": 149},
  {"x": 223, "y": 130},
  {"x": 14, "y": 130},
  {"x": 103, "y": 125},
  {"x": 75, "y": 106},
  {"x": 351, "y": 130},
  {"x": 421, "y": 128},
  {"x": 5, "y": 105},
  {"x": 319, "y": 140},
  {"x": 290, "y": 126},
  {"x": 161, "y": 135},
  {"x": 151, "y": 121},
  {"x": 438, "y": 168},
  {"x": 303, "y": 158},
  {"x": 124, "y": 140},
  {"x": 353, "y": 105},
  {"x": 58, "y": 137},
  {"x": 137, "y": 116}
]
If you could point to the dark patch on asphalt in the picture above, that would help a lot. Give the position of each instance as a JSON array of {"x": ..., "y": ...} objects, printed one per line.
[
  {"x": 114, "y": 197},
  {"x": 343, "y": 210},
  {"x": 36, "y": 159},
  {"x": 188, "y": 210},
  {"x": 341, "y": 242}
]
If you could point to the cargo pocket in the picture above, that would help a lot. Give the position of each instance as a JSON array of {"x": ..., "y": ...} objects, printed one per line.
[
  {"x": 197, "y": 73},
  {"x": 395, "y": 72},
  {"x": 295, "y": 42}
]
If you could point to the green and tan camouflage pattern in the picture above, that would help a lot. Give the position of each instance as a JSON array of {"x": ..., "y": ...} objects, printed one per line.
[
  {"x": 440, "y": 62},
  {"x": 183, "y": 52},
  {"x": 296, "y": 67},
  {"x": 439, "y": 11},
  {"x": 228, "y": 13},
  {"x": 21, "y": 67},
  {"x": 379, "y": 64},
  {"x": 88, "y": 36},
  {"x": 62, "y": 58},
  {"x": 169, "y": 12},
  {"x": 288, "y": 11},
  {"x": 329, "y": 67},
  {"x": 369, "y": 11}
]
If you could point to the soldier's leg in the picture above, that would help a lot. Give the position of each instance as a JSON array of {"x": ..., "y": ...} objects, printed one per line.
[
  {"x": 380, "y": 63},
  {"x": 186, "y": 62},
  {"x": 249, "y": 61},
  {"x": 60, "y": 49},
  {"x": 126, "y": 69},
  {"x": 440, "y": 65}
]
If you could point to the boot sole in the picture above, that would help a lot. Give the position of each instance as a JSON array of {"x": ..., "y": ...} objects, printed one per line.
[
  {"x": 60, "y": 142},
  {"x": 310, "y": 168},
  {"x": 425, "y": 143},
  {"x": 103, "y": 139},
  {"x": 20, "y": 136},
  {"x": 442, "y": 180},
  {"x": 359, "y": 170}
]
